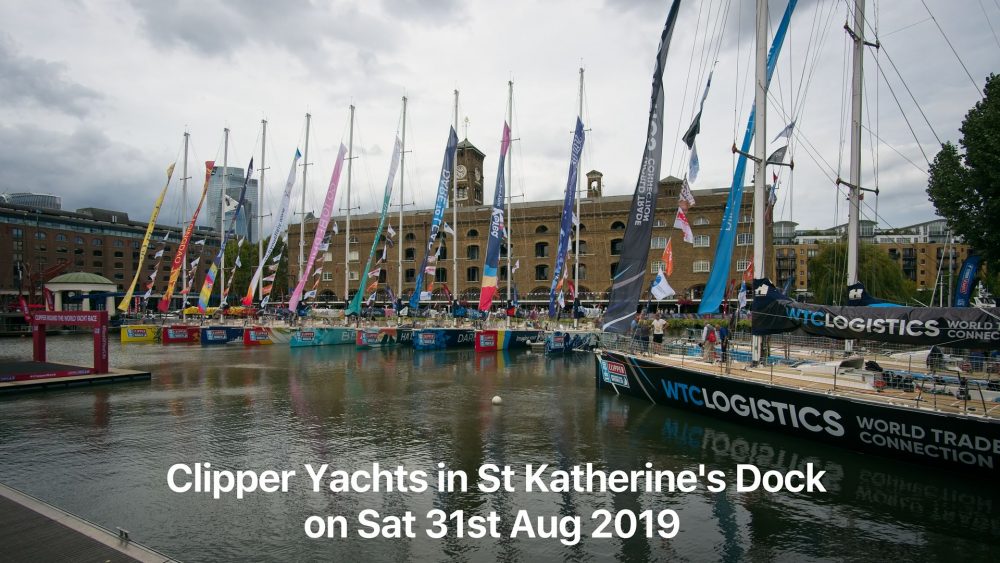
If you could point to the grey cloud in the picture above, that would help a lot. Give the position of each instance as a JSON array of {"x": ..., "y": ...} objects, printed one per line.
[
  {"x": 439, "y": 10},
  {"x": 25, "y": 80},
  {"x": 85, "y": 167}
]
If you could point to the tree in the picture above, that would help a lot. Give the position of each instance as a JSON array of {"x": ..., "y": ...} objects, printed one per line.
[
  {"x": 965, "y": 189},
  {"x": 882, "y": 277}
]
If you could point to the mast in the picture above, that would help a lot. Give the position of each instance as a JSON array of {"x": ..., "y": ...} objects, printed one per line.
[
  {"x": 510, "y": 187},
  {"x": 454, "y": 211},
  {"x": 260, "y": 200},
  {"x": 853, "y": 217},
  {"x": 184, "y": 184},
  {"x": 402, "y": 175},
  {"x": 302, "y": 218},
  {"x": 760, "y": 155},
  {"x": 222, "y": 213},
  {"x": 576, "y": 239},
  {"x": 347, "y": 236}
]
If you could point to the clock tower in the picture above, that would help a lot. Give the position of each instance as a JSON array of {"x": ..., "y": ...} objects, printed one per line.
[{"x": 469, "y": 175}]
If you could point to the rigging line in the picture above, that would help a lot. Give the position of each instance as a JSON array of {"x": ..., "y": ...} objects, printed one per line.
[
  {"x": 687, "y": 82},
  {"x": 988, "y": 22},
  {"x": 906, "y": 86},
  {"x": 905, "y": 120},
  {"x": 904, "y": 28},
  {"x": 950, "y": 46}
]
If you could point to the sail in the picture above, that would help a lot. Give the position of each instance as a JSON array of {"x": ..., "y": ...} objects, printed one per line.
[
  {"x": 627, "y": 283},
  {"x": 719, "y": 276},
  {"x": 355, "y": 307},
  {"x": 213, "y": 268},
  {"x": 489, "y": 288},
  {"x": 439, "y": 204},
  {"x": 321, "y": 226},
  {"x": 178, "y": 262},
  {"x": 279, "y": 227},
  {"x": 124, "y": 304},
  {"x": 774, "y": 313},
  {"x": 566, "y": 226}
]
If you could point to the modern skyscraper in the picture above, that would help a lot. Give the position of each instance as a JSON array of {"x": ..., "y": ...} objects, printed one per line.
[{"x": 246, "y": 223}]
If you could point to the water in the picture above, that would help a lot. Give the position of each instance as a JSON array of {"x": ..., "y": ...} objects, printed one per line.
[{"x": 103, "y": 453}]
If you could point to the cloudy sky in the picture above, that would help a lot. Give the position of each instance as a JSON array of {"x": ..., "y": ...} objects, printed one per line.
[{"x": 96, "y": 95}]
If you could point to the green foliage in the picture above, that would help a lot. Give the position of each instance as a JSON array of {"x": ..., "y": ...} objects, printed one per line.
[
  {"x": 965, "y": 189},
  {"x": 244, "y": 274},
  {"x": 882, "y": 277}
]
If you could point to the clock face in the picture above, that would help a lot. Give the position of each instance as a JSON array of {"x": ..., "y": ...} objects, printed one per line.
[{"x": 460, "y": 172}]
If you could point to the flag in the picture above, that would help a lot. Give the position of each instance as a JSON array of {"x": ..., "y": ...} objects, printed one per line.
[
  {"x": 336, "y": 229},
  {"x": 516, "y": 297},
  {"x": 786, "y": 132},
  {"x": 239, "y": 243},
  {"x": 238, "y": 262},
  {"x": 159, "y": 254},
  {"x": 230, "y": 203},
  {"x": 681, "y": 223},
  {"x": 389, "y": 242},
  {"x": 372, "y": 286},
  {"x": 748, "y": 274},
  {"x": 152, "y": 277},
  {"x": 391, "y": 232},
  {"x": 194, "y": 263},
  {"x": 148, "y": 293},
  {"x": 576, "y": 220},
  {"x": 517, "y": 264},
  {"x": 437, "y": 253},
  {"x": 392, "y": 296},
  {"x": 561, "y": 299},
  {"x": 385, "y": 250},
  {"x": 318, "y": 271},
  {"x": 200, "y": 242},
  {"x": 166, "y": 236},
  {"x": 430, "y": 269},
  {"x": 695, "y": 127},
  {"x": 276, "y": 258},
  {"x": 661, "y": 289},
  {"x": 694, "y": 165},
  {"x": 778, "y": 156},
  {"x": 269, "y": 278},
  {"x": 668, "y": 257},
  {"x": 570, "y": 288},
  {"x": 686, "y": 198},
  {"x": 371, "y": 298},
  {"x": 741, "y": 299},
  {"x": 375, "y": 273},
  {"x": 265, "y": 301},
  {"x": 266, "y": 290},
  {"x": 272, "y": 268},
  {"x": 324, "y": 247},
  {"x": 449, "y": 230},
  {"x": 310, "y": 294}
]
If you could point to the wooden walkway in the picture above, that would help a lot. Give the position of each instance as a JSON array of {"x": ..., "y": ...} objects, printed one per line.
[{"x": 32, "y": 530}]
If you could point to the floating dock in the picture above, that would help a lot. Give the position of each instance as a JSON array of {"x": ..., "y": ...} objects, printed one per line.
[
  {"x": 33, "y": 530},
  {"x": 23, "y": 376}
]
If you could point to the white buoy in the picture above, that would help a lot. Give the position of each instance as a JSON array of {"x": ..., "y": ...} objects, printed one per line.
[{"x": 497, "y": 400}]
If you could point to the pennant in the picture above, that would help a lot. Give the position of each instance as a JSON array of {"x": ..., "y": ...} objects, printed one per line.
[
  {"x": 437, "y": 253},
  {"x": 449, "y": 230},
  {"x": 166, "y": 236},
  {"x": 238, "y": 262},
  {"x": 371, "y": 298},
  {"x": 778, "y": 156},
  {"x": 489, "y": 284},
  {"x": 269, "y": 278},
  {"x": 149, "y": 285},
  {"x": 276, "y": 258},
  {"x": 229, "y": 204},
  {"x": 447, "y": 292},
  {"x": 681, "y": 223},
  {"x": 178, "y": 262},
  {"x": 152, "y": 277},
  {"x": 385, "y": 250},
  {"x": 199, "y": 242},
  {"x": 375, "y": 273},
  {"x": 324, "y": 247},
  {"x": 318, "y": 272},
  {"x": 272, "y": 268},
  {"x": 279, "y": 226},
  {"x": 159, "y": 254},
  {"x": 686, "y": 200},
  {"x": 391, "y": 232},
  {"x": 561, "y": 299},
  {"x": 148, "y": 293},
  {"x": 695, "y": 127},
  {"x": 668, "y": 257},
  {"x": 576, "y": 220},
  {"x": 310, "y": 294},
  {"x": 266, "y": 290},
  {"x": 239, "y": 243},
  {"x": 660, "y": 288},
  {"x": 336, "y": 230},
  {"x": 786, "y": 132},
  {"x": 742, "y": 297},
  {"x": 372, "y": 286},
  {"x": 517, "y": 264},
  {"x": 694, "y": 165},
  {"x": 194, "y": 263},
  {"x": 430, "y": 269},
  {"x": 748, "y": 273}
]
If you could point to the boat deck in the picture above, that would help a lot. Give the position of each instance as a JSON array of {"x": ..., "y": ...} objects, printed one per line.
[{"x": 846, "y": 385}]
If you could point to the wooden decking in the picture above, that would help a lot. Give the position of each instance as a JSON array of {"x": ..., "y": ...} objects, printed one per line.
[
  {"x": 115, "y": 375},
  {"x": 32, "y": 530}
]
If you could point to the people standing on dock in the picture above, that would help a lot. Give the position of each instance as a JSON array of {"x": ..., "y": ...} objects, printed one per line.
[{"x": 658, "y": 325}]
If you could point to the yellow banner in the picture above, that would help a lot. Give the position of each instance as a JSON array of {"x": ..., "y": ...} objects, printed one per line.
[{"x": 123, "y": 306}]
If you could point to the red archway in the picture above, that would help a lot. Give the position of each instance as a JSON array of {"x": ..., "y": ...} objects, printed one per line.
[{"x": 96, "y": 319}]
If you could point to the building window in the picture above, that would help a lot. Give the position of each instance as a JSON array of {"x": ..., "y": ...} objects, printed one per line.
[
  {"x": 742, "y": 265},
  {"x": 581, "y": 227},
  {"x": 441, "y": 275},
  {"x": 62, "y": 250},
  {"x": 39, "y": 235},
  {"x": 583, "y": 246},
  {"x": 408, "y": 254},
  {"x": 18, "y": 233},
  {"x": 410, "y": 236},
  {"x": 541, "y": 230},
  {"x": 78, "y": 240},
  {"x": 353, "y": 275},
  {"x": 118, "y": 243},
  {"x": 119, "y": 266},
  {"x": 660, "y": 223},
  {"x": 327, "y": 276},
  {"x": 136, "y": 244},
  {"x": 119, "y": 276},
  {"x": 352, "y": 256},
  {"x": 658, "y": 242},
  {"x": 463, "y": 194},
  {"x": 61, "y": 237},
  {"x": 702, "y": 241},
  {"x": 472, "y": 274},
  {"x": 328, "y": 257},
  {"x": 98, "y": 253},
  {"x": 98, "y": 264},
  {"x": 541, "y": 272},
  {"x": 746, "y": 218},
  {"x": 582, "y": 272},
  {"x": 812, "y": 252},
  {"x": 614, "y": 269},
  {"x": 409, "y": 275},
  {"x": 701, "y": 220},
  {"x": 617, "y": 226},
  {"x": 119, "y": 254},
  {"x": 541, "y": 250},
  {"x": 616, "y": 247},
  {"x": 701, "y": 266},
  {"x": 472, "y": 252},
  {"x": 97, "y": 242},
  {"x": 656, "y": 265},
  {"x": 744, "y": 239},
  {"x": 472, "y": 233}
]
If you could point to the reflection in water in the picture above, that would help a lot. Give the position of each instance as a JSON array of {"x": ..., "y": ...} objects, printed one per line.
[{"x": 103, "y": 452}]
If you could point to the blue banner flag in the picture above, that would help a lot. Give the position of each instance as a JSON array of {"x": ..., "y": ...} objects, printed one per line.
[{"x": 566, "y": 226}]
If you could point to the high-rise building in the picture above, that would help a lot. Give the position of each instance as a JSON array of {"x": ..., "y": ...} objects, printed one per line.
[{"x": 246, "y": 223}]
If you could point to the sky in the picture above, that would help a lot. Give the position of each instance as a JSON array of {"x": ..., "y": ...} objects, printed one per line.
[{"x": 95, "y": 96}]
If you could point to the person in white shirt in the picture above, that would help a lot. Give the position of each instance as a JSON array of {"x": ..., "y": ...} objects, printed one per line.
[{"x": 658, "y": 324}]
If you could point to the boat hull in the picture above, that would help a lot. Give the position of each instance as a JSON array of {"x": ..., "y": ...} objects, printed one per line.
[
  {"x": 322, "y": 336},
  {"x": 379, "y": 337},
  {"x": 954, "y": 441},
  {"x": 181, "y": 334},
  {"x": 216, "y": 335},
  {"x": 441, "y": 338},
  {"x": 560, "y": 342},
  {"x": 502, "y": 339},
  {"x": 257, "y": 336},
  {"x": 147, "y": 334}
]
